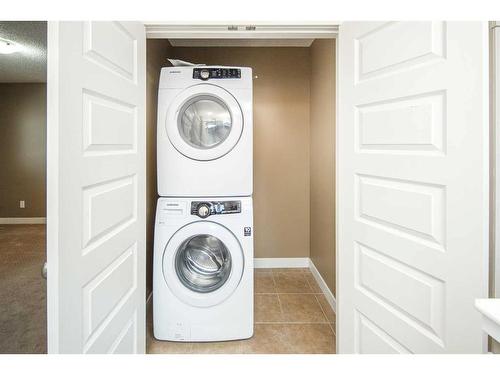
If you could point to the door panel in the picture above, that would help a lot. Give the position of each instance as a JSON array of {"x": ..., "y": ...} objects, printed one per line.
[
  {"x": 412, "y": 194},
  {"x": 411, "y": 44},
  {"x": 96, "y": 180},
  {"x": 373, "y": 340}
]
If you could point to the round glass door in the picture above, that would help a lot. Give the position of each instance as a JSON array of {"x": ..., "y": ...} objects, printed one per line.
[
  {"x": 204, "y": 122},
  {"x": 203, "y": 263}
]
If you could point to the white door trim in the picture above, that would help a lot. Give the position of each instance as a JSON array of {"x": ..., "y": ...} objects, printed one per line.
[
  {"x": 495, "y": 143},
  {"x": 52, "y": 187},
  {"x": 238, "y": 30}
]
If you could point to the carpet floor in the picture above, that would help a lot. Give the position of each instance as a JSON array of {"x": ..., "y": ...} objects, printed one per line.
[{"x": 23, "y": 317}]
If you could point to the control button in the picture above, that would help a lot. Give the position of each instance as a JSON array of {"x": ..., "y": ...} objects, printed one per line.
[
  {"x": 204, "y": 74},
  {"x": 203, "y": 210}
]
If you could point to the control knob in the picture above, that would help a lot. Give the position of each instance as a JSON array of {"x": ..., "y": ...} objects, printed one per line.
[
  {"x": 204, "y": 74},
  {"x": 203, "y": 210}
]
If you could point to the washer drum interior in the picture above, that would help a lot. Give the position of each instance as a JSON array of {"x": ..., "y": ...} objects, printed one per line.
[{"x": 203, "y": 263}]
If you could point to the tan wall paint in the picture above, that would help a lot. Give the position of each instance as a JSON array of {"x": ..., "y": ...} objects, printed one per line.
[
  {"x": 281, "y": 142},
  {"x": 23, "y": 129},
  {"x": 322, "y": 195},
  {"x": 157, "y": 51}
]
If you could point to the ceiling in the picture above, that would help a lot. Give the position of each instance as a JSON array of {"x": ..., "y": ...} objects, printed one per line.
[
  {"x": 241, "y": 42},
  {"x": 30, "y": 63}
]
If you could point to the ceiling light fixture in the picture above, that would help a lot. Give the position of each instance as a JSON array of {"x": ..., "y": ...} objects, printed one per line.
[{"x": 8, "y": 47}]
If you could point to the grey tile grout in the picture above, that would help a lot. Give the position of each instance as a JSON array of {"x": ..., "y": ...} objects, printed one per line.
[
  {"x": 308, "y": 283},
  {"x": 321, "y": 307},
  {"x": 319, "y": 303},
  {"x": 274, "y": 282},
  {"x": 274, "y": 285},
  {"x": 333, "y": 330},
  {"x": 282, "y": 312},
  {"x": 192, "y": 348},
  {"x": 281, "y": 305}
]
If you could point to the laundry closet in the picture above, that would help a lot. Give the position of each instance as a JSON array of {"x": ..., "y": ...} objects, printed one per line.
[
  {"x": 224, "y": 245},
  {"x": 405, "y": 154},
  {"x": 294, "y": 143}
]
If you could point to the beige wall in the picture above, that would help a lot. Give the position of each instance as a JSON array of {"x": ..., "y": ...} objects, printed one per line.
[
  {"x": 322, "y": 243},
  {"x": 157, "y": 51},
  {"x": 293, "y": 112},
  {"x": 281, "y": 142},
  {"x": 23, "y": 111}
]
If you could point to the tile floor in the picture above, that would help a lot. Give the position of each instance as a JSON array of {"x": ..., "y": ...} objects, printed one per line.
[
  {"x": 291, "y": 313},
  {"x": 292, "y": 316}
]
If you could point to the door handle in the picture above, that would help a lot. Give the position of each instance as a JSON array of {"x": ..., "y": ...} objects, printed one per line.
[{"x": 44, "y": 270}]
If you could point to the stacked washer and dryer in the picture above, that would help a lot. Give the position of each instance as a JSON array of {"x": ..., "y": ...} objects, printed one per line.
[{"x": 203, "y": 245}]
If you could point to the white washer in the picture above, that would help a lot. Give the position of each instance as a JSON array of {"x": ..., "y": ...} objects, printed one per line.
[
  {"x": 203, "y": 269},
  {"x": 205, "y": 142}
]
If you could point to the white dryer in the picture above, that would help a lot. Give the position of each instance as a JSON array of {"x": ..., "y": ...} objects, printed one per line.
[
  {"x": 204, "y": 137},
  {"x": 203, "y": 269}
]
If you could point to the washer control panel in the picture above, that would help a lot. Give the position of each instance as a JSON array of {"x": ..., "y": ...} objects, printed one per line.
[
  {"x": 216, "y": 73},
  {"x": 205, "y": 209}
]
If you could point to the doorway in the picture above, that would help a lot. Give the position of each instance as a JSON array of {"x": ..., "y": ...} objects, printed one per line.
[
  {"x": 23, "y": 318},
  {"x": 392, "y": 212},
  {"x": 294, "y": 161}
]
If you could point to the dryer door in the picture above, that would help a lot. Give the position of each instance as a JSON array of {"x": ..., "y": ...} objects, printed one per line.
[
  {"x": 203, "y": 263},
  {"x": 204, "y": 122}
]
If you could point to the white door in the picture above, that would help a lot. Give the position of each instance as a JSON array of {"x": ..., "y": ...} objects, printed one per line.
[
  {"x": 413, "y": 186},
  {"x": 96, "y": 187}
]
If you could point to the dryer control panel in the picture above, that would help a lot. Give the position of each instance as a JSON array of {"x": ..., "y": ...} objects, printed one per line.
[
  {"x": 205, "y": 209},
  {"x": 216, "y": 73}
]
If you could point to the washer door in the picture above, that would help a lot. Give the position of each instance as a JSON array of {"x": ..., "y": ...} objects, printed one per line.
[
  {"x": 203, "y": 263},
  {"x": 204, "y": 122}
]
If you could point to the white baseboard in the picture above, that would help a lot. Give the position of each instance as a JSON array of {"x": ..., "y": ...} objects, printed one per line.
[
  {"x": 322, "y": 284},
  {"x": 281, "y": 262},
  {"x": 22, "y": 220}
]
